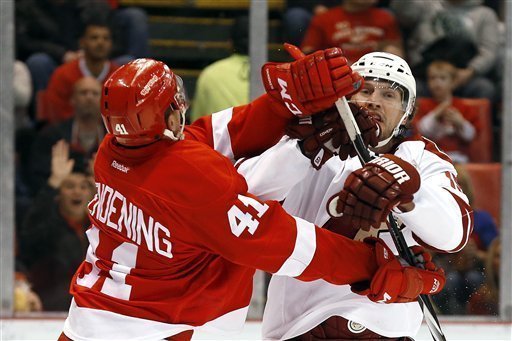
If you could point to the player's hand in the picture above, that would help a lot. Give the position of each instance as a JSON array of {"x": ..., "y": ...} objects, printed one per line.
[
  {"x": 324, "y": 135},
  {"x": 311, "y": 83},
  {"x": 397, "y": 282},
  {"x": 371, "y": 192}
]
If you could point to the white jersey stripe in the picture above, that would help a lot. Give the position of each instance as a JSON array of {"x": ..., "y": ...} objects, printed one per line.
[
  {"x": 89, "y": 324},
  {"x": 305, "y": 246},
  {"x": 221, "y": 137}
]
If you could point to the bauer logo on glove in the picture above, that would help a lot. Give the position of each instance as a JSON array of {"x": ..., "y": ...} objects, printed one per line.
[
  {"x": 370, "y": 193},
  {"x": 398, "y": 173}
]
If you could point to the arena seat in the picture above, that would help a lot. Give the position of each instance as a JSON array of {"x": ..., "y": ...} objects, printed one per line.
[
  {"x": 201, "y": 40},
  {"x": 486, "y": 180},
  {"x": 480, "y": 149}
]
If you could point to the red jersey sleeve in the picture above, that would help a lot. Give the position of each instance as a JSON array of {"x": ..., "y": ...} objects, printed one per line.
[
  {"x": 239, "y": 227},
  {"x": 242, "y": 131}
]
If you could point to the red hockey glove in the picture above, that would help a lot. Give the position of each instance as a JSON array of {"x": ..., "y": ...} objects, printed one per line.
[
  {"x": 312, "y": 83},
  {"x": 324, "y": 135},
  {"x": 397, "y": 282},
  {"x": 371, "y": 192}
]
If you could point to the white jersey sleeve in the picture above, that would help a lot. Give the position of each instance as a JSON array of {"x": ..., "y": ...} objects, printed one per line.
[
  {"x": 442, "y": 218},
  {"x": 271, "y": 175}
]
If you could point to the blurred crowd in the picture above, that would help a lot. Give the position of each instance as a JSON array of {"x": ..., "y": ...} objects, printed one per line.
[{"x": 65, "y": 49}]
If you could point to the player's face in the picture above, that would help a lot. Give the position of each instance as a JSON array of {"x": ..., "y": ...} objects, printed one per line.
[
  {"x": 174, "y": 123},
  {"x": 384, "y": 102}
]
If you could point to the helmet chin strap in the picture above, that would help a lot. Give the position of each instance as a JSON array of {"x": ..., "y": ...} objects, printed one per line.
[
  {"x": 395, "y": 132},
  {"x": 173, "y": 137},
  {"x": 384, "y": 142}
]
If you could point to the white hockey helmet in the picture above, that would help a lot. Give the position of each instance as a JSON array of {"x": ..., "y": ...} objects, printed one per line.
[{"x": 391, "y": 68}]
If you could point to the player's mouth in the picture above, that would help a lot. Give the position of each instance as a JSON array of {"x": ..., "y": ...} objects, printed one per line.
[
  {"x": 376, "y": 116},
  {"x": 378, "y": 119}
]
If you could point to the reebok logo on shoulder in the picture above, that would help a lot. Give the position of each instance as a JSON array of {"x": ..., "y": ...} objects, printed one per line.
[{"x": 120, "y": 167}]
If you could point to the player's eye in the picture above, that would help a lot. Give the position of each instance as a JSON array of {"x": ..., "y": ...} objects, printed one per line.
[
  {"x": 365, "y": 92},
  {"x": 390, "y": 94}
]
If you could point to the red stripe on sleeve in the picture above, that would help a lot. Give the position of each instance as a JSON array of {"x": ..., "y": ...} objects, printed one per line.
[
  {"x": 433, "y": 148},
  {"x": 467, "y": 226}
]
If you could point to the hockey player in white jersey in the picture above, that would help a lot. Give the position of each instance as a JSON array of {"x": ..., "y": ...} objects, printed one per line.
[{"x": 412, "y": 178}]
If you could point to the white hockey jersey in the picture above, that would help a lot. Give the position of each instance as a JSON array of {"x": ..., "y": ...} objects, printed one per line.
[{"x": 441, "y": 219}]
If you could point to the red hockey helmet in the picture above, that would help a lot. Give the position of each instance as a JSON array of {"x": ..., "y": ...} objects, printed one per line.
[{"x": 135, "y": 98}]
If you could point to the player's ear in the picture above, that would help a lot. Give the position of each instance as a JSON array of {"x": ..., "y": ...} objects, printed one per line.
[
  {"x": 168, "y": 119},
  {"x": 173, "y": 120}
]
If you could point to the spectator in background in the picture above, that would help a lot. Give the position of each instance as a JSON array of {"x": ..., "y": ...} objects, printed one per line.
[
  {"x": 445, "y": 119},
  {"x": 47, "y": 33},
  {"x": 83, "y": 132},
  {"x": 24, "y": 134},
  {"x": 485, "y": 300},
  {"x": 46, "y": 36},
  {"x": 52, "y": 237},
  {"x": 297, "y": 16},
  {"x": 130, "y": 29},
  {"x": 96, "y": 44},
  {"x": 463, "y": 32},
  {"x": 25, "y": 299},
  {"x": 22, "y": 86},
  {"x": 225, "y": 83},
  {"x": 358, "y": 27}
]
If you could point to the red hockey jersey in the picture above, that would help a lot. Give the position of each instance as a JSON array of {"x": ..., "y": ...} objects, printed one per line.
[{"x": 175, "y": 239}]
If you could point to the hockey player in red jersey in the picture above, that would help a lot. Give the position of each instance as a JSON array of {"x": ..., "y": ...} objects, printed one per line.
[
  {"x": 175, "y": 237},
  {"x": 412, "y": 178}
]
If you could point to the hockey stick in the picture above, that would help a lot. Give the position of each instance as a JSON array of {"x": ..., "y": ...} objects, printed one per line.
[{"x": 397, "y": 236}]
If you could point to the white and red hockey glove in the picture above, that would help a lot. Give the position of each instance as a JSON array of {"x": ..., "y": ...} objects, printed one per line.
[
  {"x": 371, "y": 192},
  {"x": 397, "y": 282},
  {"x": 311, "y": 83},
  {"x": 324, "y": 135}
]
